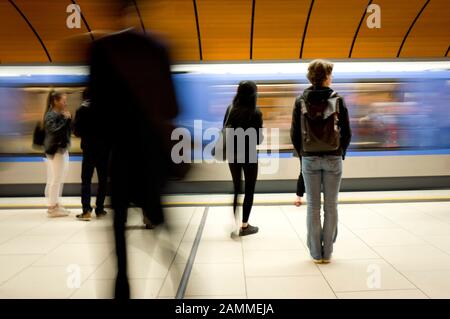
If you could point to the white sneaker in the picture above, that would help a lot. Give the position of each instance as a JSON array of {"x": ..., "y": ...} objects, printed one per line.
[
  {"x": 62, "y": 208},
  {"x": 57, "y": 212}
]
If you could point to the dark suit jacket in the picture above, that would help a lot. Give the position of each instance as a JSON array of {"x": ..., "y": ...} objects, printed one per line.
[{"x": 134, "y": 103}]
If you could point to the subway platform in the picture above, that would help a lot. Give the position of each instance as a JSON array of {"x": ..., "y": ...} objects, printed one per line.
[{"x": 389, "y": 245}]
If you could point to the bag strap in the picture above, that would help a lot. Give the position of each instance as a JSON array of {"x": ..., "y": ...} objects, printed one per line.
[
  {"x": 302, "y": 119},
  {"x": 228, "y": 115}
]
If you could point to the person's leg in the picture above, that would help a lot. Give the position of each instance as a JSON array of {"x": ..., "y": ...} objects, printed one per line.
[
  {"x": 331, "y": 183},
  {"x": 64, "y": 170},
  {"x": 122, "y": 288},
  {"x": 49, "y": 187},
  {"x": 102, "y": 174},
  {"x": 236, "y": 173},
  {"x": 312, "y": 175},
  {"x": 250, "y": 175},
  {"x": 57, "y": 173},
  {"x": 87, "y": 170}
]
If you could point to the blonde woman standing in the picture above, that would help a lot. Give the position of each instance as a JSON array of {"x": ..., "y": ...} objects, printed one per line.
[{"x": 57, "y": 124}]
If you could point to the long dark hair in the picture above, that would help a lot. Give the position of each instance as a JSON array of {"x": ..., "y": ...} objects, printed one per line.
[{"x": 246, "y": 95}]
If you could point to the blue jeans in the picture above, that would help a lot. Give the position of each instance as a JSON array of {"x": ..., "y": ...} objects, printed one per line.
[{"x": 322, "y": 173}]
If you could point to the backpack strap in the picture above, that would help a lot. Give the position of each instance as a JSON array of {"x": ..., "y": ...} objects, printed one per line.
[
  {"x": 303, "y": 111},
  {"x": 333, "y": 106}
]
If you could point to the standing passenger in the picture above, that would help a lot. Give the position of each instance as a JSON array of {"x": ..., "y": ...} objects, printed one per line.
[
  {"x": 95, "y": 155},
  {"x": 56, "y": 144},
  {"x": 321, "y": 133},
  {"x": 243, "y": 114}
]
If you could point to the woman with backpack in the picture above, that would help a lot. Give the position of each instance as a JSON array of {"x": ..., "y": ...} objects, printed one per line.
[
  {"x": 321, "y": 134},
  {"x": 243, "y": 114},
  {"x": 57, "y": 125}
]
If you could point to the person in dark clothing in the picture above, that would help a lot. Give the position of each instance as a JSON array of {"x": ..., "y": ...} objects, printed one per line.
[
  {"x": 243, "y": 114},
  {"x": 132, "y": 92},
  {"x": 57, "y": 124},
  {"x": 95, "y": 156},
  {"x": 322, "y": 169}
]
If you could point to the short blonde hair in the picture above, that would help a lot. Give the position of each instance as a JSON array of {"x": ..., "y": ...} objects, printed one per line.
[{"x": 318, "y": 71}]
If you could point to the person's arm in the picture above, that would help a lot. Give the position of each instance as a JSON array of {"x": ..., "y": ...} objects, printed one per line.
[
  {"x": 296, "y": 128},
  {"x": 77, "y": 124},
  {"x": 344, "y": 124},
  {"x": 259, "y": 126},
  {"x": 55, "y": 123}
]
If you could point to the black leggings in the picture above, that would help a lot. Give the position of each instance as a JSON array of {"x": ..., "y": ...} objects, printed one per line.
[{"x": 250, "y": 174}]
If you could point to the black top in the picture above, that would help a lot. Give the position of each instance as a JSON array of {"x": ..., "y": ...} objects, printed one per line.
[
  {"x": 316, "y": 93},
  {"x": 84, "y": 125},
  {"x": 57, "y": 132},
  {"x": 245, "y": 118}
]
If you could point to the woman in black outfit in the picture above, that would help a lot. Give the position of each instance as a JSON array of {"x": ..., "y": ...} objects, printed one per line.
[{"x": 243, "y": 114}]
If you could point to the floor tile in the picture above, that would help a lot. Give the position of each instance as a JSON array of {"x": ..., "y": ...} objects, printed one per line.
[
  {"x": 423, "y": 257},
  {"x": 388, "y": 237},
  {"x": 140, "y": 266},
  {"x": 25, "y": 244},
  {"x": 45, "y": 282},
  {"x": 435, "y": 284},
  {"x": 359, "y": 275},
  {"x": 302, "y": 287},
  {"x": 352, "y": 248},
  {"x": 80, "y": 254},
  {"x": 216, "y": 279},
  {"x": 14, "y": 264},
  {"x": 264, "y": 263},
  {"x": 383, "y": 294},
  {"x": 226, "y": 252}
]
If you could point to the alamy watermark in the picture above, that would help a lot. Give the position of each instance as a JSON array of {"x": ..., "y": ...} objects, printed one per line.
[
  {"x": 73, "y": 280},
  {"x": 374, "y": 18},
  {"x": 374, "y": 278},
  {"x": 73, "y": 20},
  {"x": 235, "y": 145}
]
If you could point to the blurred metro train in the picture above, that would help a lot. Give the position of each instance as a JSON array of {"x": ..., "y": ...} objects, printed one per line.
[{"x": 399, "y": 113}]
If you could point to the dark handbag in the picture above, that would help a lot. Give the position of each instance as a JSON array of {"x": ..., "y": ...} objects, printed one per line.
[
  {"x": 38, "y": 135},
  {"x": 220, "y": 148}
]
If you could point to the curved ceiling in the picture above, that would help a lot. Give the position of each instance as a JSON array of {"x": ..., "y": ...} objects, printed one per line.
[{"x": 212, "y": 30}]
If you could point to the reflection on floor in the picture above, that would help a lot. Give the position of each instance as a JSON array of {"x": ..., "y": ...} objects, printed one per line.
[{"x": 390, "y": 250}]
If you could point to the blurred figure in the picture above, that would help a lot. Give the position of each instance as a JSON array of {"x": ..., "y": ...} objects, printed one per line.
[
  {"x": 57, "y": 125},
  {"x": 321, "y": 133},
  {"x": 95, "y": 156},
  {"x": 244, "y": 114},
  {"x": 133, "y": 102}
]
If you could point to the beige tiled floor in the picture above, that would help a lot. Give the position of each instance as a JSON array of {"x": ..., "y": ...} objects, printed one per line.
[{"x": 398, "y": 250}]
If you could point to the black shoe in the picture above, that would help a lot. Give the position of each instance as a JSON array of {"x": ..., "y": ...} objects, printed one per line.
[
  {"x": 100, "y": 213},
  {"x": 149, "y": 226},
  {"x": 148, "y": 223},
  {"x": 249, "y": 230}
]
